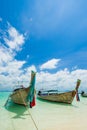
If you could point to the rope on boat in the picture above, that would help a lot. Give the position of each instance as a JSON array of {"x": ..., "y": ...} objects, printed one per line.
[
  {"x": 31, "y": 118},
  {"x": 28, "y": 110}
]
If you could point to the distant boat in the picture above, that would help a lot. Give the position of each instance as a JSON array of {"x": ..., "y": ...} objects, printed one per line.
[
  {"x": 24, "y": 95},
  {"x": 63, "y": 97},
  {"x": 84, "y": 94}
]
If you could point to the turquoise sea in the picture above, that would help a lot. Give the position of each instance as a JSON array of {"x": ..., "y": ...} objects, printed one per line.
[{"x": 44, "y": 116}]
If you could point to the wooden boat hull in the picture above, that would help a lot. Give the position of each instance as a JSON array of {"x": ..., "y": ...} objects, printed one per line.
[
  {"x": 20, "y": 96},
  {"x": 24, "y": 95},
  {"x": 66, "y": 97},
  {"x": 83, "y": 94}
]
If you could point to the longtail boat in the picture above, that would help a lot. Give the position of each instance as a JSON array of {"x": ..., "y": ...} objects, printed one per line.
[
  {"x": 84, "y": 94},
  {"x": 23, "y": 95},
  {"x": 63, "y": 97}
]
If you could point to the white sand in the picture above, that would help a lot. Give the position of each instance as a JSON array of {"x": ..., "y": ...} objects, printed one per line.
[{"x": 46, "y": 116}]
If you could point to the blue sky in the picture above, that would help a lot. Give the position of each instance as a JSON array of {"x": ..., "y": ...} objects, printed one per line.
[{"x": 49, "y": 37}]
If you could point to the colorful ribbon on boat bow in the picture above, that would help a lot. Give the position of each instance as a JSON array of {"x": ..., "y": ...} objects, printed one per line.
[
  {"x": 31, "y": 95},
  {"x": 77, "y": 86}
]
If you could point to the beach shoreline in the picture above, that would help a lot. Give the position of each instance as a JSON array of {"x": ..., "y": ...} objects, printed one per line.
[{"x": 45, "y": 115}]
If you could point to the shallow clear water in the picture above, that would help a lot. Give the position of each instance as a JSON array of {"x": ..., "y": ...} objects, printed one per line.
[{"x": 44, "y": 116}]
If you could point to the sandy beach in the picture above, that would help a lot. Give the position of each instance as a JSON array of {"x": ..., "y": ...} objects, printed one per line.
[{"x": 44, "y": 116}]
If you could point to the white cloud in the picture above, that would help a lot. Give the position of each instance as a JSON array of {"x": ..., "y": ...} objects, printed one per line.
[
  {"x": 14, "y": 67},
  {"x": 62, "y": 80},
  {"x": 51, "y": 64},
  {"x": 10, "y": 68},
  {"x": 12, "y": 71},
  {"x": 5, "y": 55},
  {"x": 14, "y": 40},
  {"x": 31, "y": 68},
  {"x": 27, "y": 73}
]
